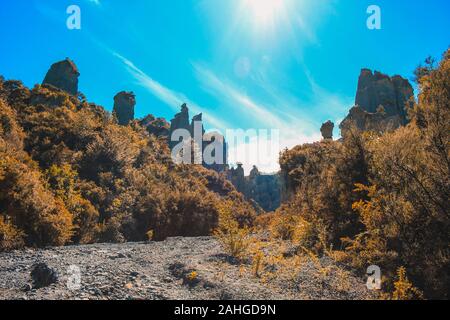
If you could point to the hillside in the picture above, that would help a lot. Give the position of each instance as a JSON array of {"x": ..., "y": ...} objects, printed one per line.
[{"x": 70, "y": 174}]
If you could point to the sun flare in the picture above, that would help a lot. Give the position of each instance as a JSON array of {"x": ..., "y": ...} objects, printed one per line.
[{"x": 264, "y": 12}]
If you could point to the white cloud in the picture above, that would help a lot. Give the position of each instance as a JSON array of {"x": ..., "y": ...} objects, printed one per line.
[
  {"x": 294, "y": 129},
  {"x": 172, "y": 98},
  {"x": 282, "y": 113}
]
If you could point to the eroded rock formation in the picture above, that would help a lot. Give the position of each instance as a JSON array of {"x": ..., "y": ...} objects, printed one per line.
[
  {"x": 237, "y": 177},
  {"x": 195, "y": 129},
  {"x": 264, "y": 189},
  {"x": 124, "y": 103},
  {"x": 381, "y": 103},
  {"x": 63, "y": 75},
  {"x": 377, "y": 89},
  {"x": 215, "y": 139},
  {"x": 366, "y": 121},
  {"x": 327, "y": 130}
]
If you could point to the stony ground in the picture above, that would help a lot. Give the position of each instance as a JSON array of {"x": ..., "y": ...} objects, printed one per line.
[{"x": 178, "y": 268}]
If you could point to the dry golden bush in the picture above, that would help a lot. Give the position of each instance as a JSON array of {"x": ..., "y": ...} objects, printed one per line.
[
  {"x": 404, "y": 289},
  {"x": 10, "y": 237},
  {"x": 234, "y": 239},
  {"x": 70, "y": 174}
]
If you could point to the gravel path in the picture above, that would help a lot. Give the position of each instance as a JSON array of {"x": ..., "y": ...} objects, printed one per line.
[{"x": 178, "y": 268}]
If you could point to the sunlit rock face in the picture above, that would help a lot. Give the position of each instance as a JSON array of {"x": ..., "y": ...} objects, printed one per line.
[
  {"x": 63, "y": 75},
  {"x": 124, "y": 103},
  {"x": 381, "y": 103}
]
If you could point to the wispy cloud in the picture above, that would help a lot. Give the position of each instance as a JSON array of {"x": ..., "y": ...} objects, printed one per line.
[
  {"x": 293, "y": 128},
  {"x": 170, "y": 97},
  {"x": 227, "y": 92},
  {"x": 96, "y": 2}
]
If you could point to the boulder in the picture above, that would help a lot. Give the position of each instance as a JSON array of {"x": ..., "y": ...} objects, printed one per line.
[{"x": 43, "y": 276}]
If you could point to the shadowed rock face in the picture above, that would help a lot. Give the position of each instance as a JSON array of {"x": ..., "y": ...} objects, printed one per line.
[
  {"x": 377, "y": 89},
  {"x": 366, "y": 121},
  {"x": 327, "y": 130},
  {"x": 215, "y": 139},
  {"x": 381, "y": 103},
  {"x": 263, "y": 189},
  {"x": 124, "y": 103},
  {"x": 63, "y": 75},
  {"x": 181, "y": 121},
  {"x": 237, "y": 178}
]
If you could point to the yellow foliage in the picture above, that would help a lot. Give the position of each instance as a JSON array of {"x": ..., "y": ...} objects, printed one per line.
[
  {"x": 10, "y": 237},
  {"x": 192, "y": 276},
  {"x": 404, "y": 289},
  {"x": 234, "y": 239},
  {"x": 150, "y": 235}
]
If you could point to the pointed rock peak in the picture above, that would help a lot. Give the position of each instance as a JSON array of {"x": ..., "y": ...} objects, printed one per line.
[{"x": 197, "y": 117}]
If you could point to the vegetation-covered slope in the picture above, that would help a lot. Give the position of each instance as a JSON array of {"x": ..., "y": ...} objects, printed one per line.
[{"x": 70, "y": 174}]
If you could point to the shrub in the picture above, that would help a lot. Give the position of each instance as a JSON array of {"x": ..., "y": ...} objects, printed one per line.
[
  {"x": 404, "y": 289},
  {"x": 320, "y": 179},
  {"x": 234, "y": 239},
  {"x": 70, "y": 174},
  {"x": 10, "y": 237}
]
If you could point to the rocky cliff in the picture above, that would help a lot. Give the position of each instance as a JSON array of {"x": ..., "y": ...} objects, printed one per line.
[
  {"x": 264, "y": 189},
  {"x": 381, "y": 103}
]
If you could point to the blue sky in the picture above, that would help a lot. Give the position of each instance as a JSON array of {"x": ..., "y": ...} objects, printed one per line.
[{"x": 263, "y": 64}]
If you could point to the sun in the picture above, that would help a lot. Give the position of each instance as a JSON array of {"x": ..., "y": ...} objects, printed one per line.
[{"x": 264, "y": 12}]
